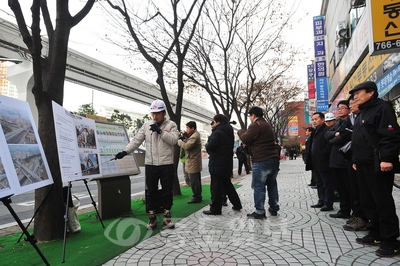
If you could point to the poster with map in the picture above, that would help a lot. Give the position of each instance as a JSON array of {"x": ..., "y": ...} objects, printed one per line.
[{"x": 22, "y": 148}]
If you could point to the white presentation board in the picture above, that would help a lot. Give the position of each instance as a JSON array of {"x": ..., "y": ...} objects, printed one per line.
[
  {"x": 77, "y": 145},
  {"x": 112, "y": 138},
  {"x": 87, "y": 148},
  {"x": 23, "y": 165}
]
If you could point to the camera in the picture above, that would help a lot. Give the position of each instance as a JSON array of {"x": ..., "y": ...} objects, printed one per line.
[{"x": 183, "y": 135}]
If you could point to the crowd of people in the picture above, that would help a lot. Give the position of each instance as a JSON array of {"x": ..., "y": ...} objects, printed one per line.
[
  {"x": 357, "y": 153},
  {"x": 363, "y": 174}
]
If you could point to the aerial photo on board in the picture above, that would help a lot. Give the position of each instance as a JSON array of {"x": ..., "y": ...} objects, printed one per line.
[
  {"x": 16, "y": 126},
  {"x": 4, "y": 184},
  {"x": 28, "y": 163}
]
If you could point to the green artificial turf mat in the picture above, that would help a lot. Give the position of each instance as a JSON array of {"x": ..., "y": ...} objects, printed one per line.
[{"x": 95, "y": 245}]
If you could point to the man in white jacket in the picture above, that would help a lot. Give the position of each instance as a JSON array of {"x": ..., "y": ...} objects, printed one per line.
[{"x": 160, "y": 135}]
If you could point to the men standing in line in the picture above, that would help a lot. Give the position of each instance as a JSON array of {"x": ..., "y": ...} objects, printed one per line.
[
  {"x": 193, "y": 164},
  {"x": 220, "y": 164},
  {"x": 375, "y": 145},
  {"x": 358, "y": 220},
  {"x": 338, "y": 163},
  {"x": 260, "y": 139},
  {"x": 318, "y": 160},
  {"x": 160, "y": 135}
]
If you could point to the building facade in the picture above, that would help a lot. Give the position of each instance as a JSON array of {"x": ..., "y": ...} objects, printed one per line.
[{"x": 353, "y": 51}]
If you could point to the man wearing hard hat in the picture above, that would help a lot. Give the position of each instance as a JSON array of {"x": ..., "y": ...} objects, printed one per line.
[{"x": 160, "y": 135}]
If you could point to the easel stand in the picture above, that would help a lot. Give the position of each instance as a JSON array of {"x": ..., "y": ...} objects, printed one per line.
[
  {"x": 66, "y": 218},
  {"x": 93, "y": 202},
  {"x": 6, "y": 201}
]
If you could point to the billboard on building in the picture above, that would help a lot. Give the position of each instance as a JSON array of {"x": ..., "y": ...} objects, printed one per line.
[
  {"x": 384, "y": 20},
  {"x": 293, "y": 126}
]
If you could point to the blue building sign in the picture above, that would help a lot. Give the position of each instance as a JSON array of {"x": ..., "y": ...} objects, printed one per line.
[
  {"x": 319, "y": 47},
  {"x": 322, "y": 106},
  {"x": 320, "y": 69},
  {"x": 389, "y": 80},
  {"x": 310, "y": 72},
  {"x": 319, "y": 28},
  {"x": 321, "y": 88}
]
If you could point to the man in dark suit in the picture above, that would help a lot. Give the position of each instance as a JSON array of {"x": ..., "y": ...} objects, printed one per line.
[{"x": 318, "y": 161}]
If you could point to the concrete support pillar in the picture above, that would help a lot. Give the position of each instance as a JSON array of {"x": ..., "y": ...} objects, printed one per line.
[{"x": 21, "y": 75}]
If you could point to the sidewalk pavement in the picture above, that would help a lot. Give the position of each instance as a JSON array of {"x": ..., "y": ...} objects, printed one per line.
[{"x": 299, "y": 235}]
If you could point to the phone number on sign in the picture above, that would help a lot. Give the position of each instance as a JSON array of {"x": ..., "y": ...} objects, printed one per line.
[{"x": 387, "y": 45}]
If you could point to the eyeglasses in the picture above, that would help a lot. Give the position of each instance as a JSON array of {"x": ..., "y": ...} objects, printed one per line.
[{"x": 342, "y": 108}]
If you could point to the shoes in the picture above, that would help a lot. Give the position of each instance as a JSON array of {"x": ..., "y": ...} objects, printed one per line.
[
  {"x": 386, "y": 250},
  {"x": 236, "y": 208},
  {"x": 194, "y": 201},
  {"x": 340, "y": 215},
  {"x": 327, "y": 208},
  {"x": 168, "y": 223},
  {"x": 349, "y": 221},
  {"x": 185, "y": 185},
  {"x": 256, "y": 216},
  {"x": 312, "y": 185},
  {"x": 152, "y": 224},
  {"x": 224, "y": 203},
  {"x": 318, "y": 205},
  {"x": 272, "y": 212},
  {"x": 356, "y": 224},
  {"x": 369, "y": 240},
  {"x": 209, "y": 212}
]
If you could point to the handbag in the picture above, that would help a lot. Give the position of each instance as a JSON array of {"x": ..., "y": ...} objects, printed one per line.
[{"x": 73, "y": 225}]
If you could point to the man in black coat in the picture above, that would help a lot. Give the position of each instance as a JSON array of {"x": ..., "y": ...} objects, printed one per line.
[
  {"x": 241, "y": 154},
  {"x": 220, "y": 165},
  {"x": 318, "y": 161},
  {"x": 338, "y": 162},
  {"x": 375, "y": 144}
]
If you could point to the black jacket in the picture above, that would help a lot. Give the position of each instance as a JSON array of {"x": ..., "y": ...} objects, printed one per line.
[
  {"x": 220, "y": 149},
  {"x": 241, "y": 153},
  {"x": 336, "y": 157},
  {"x": 318, "y": 154},
  {"x": 379, "y": 119}
]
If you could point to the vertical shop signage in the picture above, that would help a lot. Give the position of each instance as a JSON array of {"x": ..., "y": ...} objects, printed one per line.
[
  {"x": 322, "y": 106},
  {"x": 321, "y": 83},
  {"x": 322, "y": 88}
]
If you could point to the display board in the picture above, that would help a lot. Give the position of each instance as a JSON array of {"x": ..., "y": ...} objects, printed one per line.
[
  {"x": 87, "y": 148},
  {"x": 77, "y": 145},
  {"x": 113, "y": 138},
  {"x": 23, "y": 165}
]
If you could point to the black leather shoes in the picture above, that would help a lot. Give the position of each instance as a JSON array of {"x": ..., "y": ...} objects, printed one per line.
[
  {"x": 318, "y": 205},
  {"x": 211, "y": 213},
  {"x": 236, "y": 208},
  {"x": 256, "y": 215},
  {"x": 326, "y": 208},
  {"x": 340, "y": 215},
  {"x": 194, "y": 201},
  {"x": 272, "y": 212}
]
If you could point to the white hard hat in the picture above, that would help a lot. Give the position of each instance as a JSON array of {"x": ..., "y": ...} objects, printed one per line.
[
  {"x": 329, "y": 117},
  {"x": 157, "y": 106}
]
